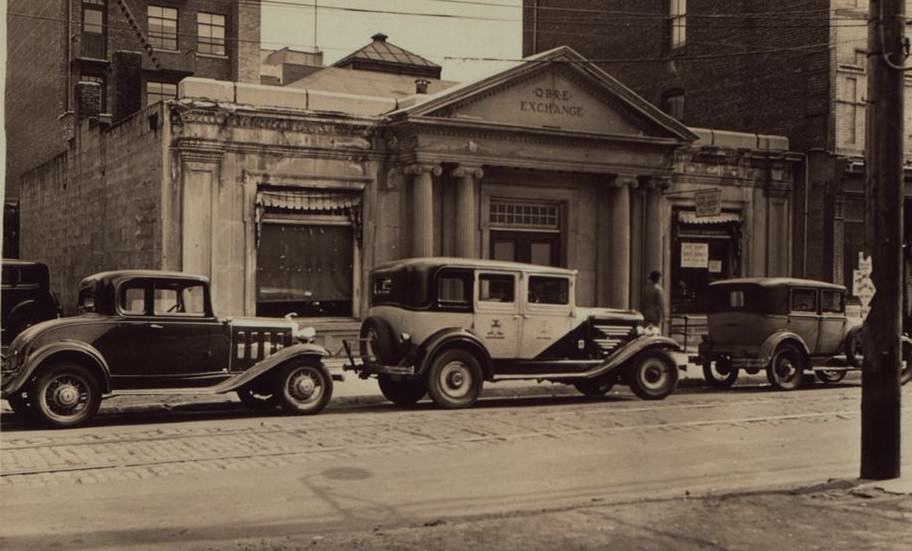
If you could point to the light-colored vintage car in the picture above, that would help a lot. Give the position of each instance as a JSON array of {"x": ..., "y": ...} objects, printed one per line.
[
  {"x": 785, "y": 326},
  {"x": 442, "y": 326}
]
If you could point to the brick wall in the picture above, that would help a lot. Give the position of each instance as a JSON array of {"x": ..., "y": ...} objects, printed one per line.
[
  {"x": 35, "y": 68},
  {"x": 96, "y": 207},
  {"x": 245, "y": 43},
  {"x": 784, "y": 91}
]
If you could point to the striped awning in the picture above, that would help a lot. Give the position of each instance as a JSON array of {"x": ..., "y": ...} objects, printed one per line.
[
  {"x": 690, "y": 217},
  {"x": 307, "y": 200}
]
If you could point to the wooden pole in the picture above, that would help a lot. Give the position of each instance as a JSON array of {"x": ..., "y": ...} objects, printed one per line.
[{"x": 880, "y": 388}]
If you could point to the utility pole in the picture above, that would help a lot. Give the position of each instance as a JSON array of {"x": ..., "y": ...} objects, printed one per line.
[{"x": 880, "y": 387}]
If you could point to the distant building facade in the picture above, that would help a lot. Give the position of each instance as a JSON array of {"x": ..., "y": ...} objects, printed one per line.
[
  {"x": 771, "y": 66},
  {"x": 287, "y": 197},
  {"x": 53, "y": 45}
]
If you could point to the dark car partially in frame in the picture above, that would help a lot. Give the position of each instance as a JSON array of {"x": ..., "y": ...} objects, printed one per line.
[
  {"x": 26, "y": 297},
  {"x": 145, "y": 331}
]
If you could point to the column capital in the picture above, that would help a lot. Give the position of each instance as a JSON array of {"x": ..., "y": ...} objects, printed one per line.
[
  {"x": 659, "y": 183},
  {"x": 461, "y": 171},
  {"x": 420, "y": 168},
  {"x": 625, "y": 180}
]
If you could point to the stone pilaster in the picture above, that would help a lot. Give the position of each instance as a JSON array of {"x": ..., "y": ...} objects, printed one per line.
[{"x": 466, "y": 210}]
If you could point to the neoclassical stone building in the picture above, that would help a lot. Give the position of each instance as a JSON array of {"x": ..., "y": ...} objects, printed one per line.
[{"x": 287, "y": 197}]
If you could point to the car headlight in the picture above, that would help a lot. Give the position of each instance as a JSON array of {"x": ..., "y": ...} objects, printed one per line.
[
  {"x": 305, "y": 334},
  {"x": 647, "y": 330}
]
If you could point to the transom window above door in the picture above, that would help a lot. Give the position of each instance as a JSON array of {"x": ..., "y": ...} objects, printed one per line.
[{"x": 516, "y": 215}]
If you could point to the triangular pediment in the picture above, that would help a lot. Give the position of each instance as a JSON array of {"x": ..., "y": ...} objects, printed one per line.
[{"x": 555, "y": 90}]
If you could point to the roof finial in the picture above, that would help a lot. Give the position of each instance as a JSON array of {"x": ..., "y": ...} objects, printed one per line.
[{"x": 379, "y": 37}]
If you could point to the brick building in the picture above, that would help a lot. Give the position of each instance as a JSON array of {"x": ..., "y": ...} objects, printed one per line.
[
  {"x": 53, "y": 45},
  {"x": 286, "y": 197},
  {"x": 773, "y": 66}
]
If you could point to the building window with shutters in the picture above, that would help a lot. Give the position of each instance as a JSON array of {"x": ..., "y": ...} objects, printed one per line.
[
  {"x": 210, "y": 33},
  {"x": 307, "y": 247},
  {"x": 162, "y": 23}
]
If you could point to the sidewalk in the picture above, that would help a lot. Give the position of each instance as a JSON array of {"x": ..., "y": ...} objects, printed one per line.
[{"x": 839, "y": 515}]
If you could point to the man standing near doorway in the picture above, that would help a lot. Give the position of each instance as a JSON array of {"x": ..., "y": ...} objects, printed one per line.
[{"x": 653, "y": 303}]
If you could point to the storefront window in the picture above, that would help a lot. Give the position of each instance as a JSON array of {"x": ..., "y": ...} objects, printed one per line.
[
  {"x": 306, "y": 244},
  {"x": 705, "y": 249}
]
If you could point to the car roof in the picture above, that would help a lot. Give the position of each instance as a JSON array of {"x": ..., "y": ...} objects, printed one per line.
[
  {"x": 481, "y": 263},
  {"x": 779, "y": 282},
  {"x": 119, "y": 275}
]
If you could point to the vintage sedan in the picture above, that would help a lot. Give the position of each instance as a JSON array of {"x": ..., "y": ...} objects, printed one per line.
[
  {"x": 143, "y": 331},
  {"x": 443, "y": 326},
  {"x": 785, "y": 326}
]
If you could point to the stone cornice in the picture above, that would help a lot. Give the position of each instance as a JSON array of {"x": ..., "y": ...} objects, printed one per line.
[{"x": 284, "y": 122}]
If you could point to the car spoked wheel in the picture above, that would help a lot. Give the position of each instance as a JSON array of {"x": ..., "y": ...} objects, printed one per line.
[
  {"x": 402, "y": 392},
  {"x": 786, "y": 368},
  {"x": 653, "y": 375},
  {"x": 720, "y": 373},
  {"x": 304, "y": 387},
  {"x": 454, "y": 379},
  {"x": 66, "y": 395}
]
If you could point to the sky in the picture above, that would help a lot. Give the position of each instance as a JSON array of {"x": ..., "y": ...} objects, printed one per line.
[{"x": 457, "y": 29}]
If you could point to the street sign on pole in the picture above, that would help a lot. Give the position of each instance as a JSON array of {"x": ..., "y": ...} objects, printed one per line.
[{"x": 708, "y": 202}]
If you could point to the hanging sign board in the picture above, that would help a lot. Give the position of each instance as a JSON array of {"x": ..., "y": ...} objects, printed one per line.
[
  {"x": 708, "y": 202},
  {"x": 694, "y": 255},
  {"x": 862, "y": 285}
]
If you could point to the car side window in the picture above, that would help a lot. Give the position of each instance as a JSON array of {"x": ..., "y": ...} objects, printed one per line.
[
  {"x": 804, "y": 300},
  {"x": 549, "y": 290},
  {"x": 832, "y": 301},
  {"x": 178, "y": 300},
  {"x": 454, "y": 288},
  {"x": 496, "y": 288},
  {"x": 133, "y": 300}
]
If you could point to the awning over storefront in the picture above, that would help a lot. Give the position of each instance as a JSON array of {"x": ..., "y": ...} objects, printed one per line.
[
  {"x": 690, "y": 217},
  {"x": 310, "y": 201}
]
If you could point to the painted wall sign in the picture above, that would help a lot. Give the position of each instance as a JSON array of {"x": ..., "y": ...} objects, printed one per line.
[
  {"x": 708, "y": 202},
  {"x": 694, "y": 255}
]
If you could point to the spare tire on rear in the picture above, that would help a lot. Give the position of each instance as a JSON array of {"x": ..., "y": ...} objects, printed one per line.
[{"x": 379, "y": 341}]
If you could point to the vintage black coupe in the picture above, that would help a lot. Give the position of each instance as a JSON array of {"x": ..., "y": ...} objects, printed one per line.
[
  {"x": 26, "y": 297},
  {"x": 143, "y": 331},
  {"x": 442, "y": 326}
]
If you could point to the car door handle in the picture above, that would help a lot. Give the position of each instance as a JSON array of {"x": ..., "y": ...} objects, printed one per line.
[{"x": 156, "y": 326}]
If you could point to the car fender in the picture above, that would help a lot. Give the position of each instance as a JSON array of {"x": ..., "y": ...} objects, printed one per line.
[
  {"x": 773, "y": 341},
  {"x": 270, "y": 363},
  {"x": 450, "y": 335},
  {"x": 68, "y": 347},
  {"x": 633, "y": 348}
]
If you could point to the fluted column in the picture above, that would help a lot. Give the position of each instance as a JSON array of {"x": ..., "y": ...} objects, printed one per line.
[
  {"x": 620, "y": 240},
  {"x": 423, "y": 207},
  {"x": 466, "y": 211}
]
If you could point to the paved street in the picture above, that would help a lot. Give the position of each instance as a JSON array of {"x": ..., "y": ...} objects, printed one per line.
[{"x": 201, "y": 477}]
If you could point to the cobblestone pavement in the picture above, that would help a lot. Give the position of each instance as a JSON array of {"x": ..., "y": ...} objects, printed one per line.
[{"x": 116, "y": 452}]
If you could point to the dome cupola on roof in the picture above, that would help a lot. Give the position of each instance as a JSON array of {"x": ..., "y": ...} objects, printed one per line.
[{"x": 386, "y": 57}]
